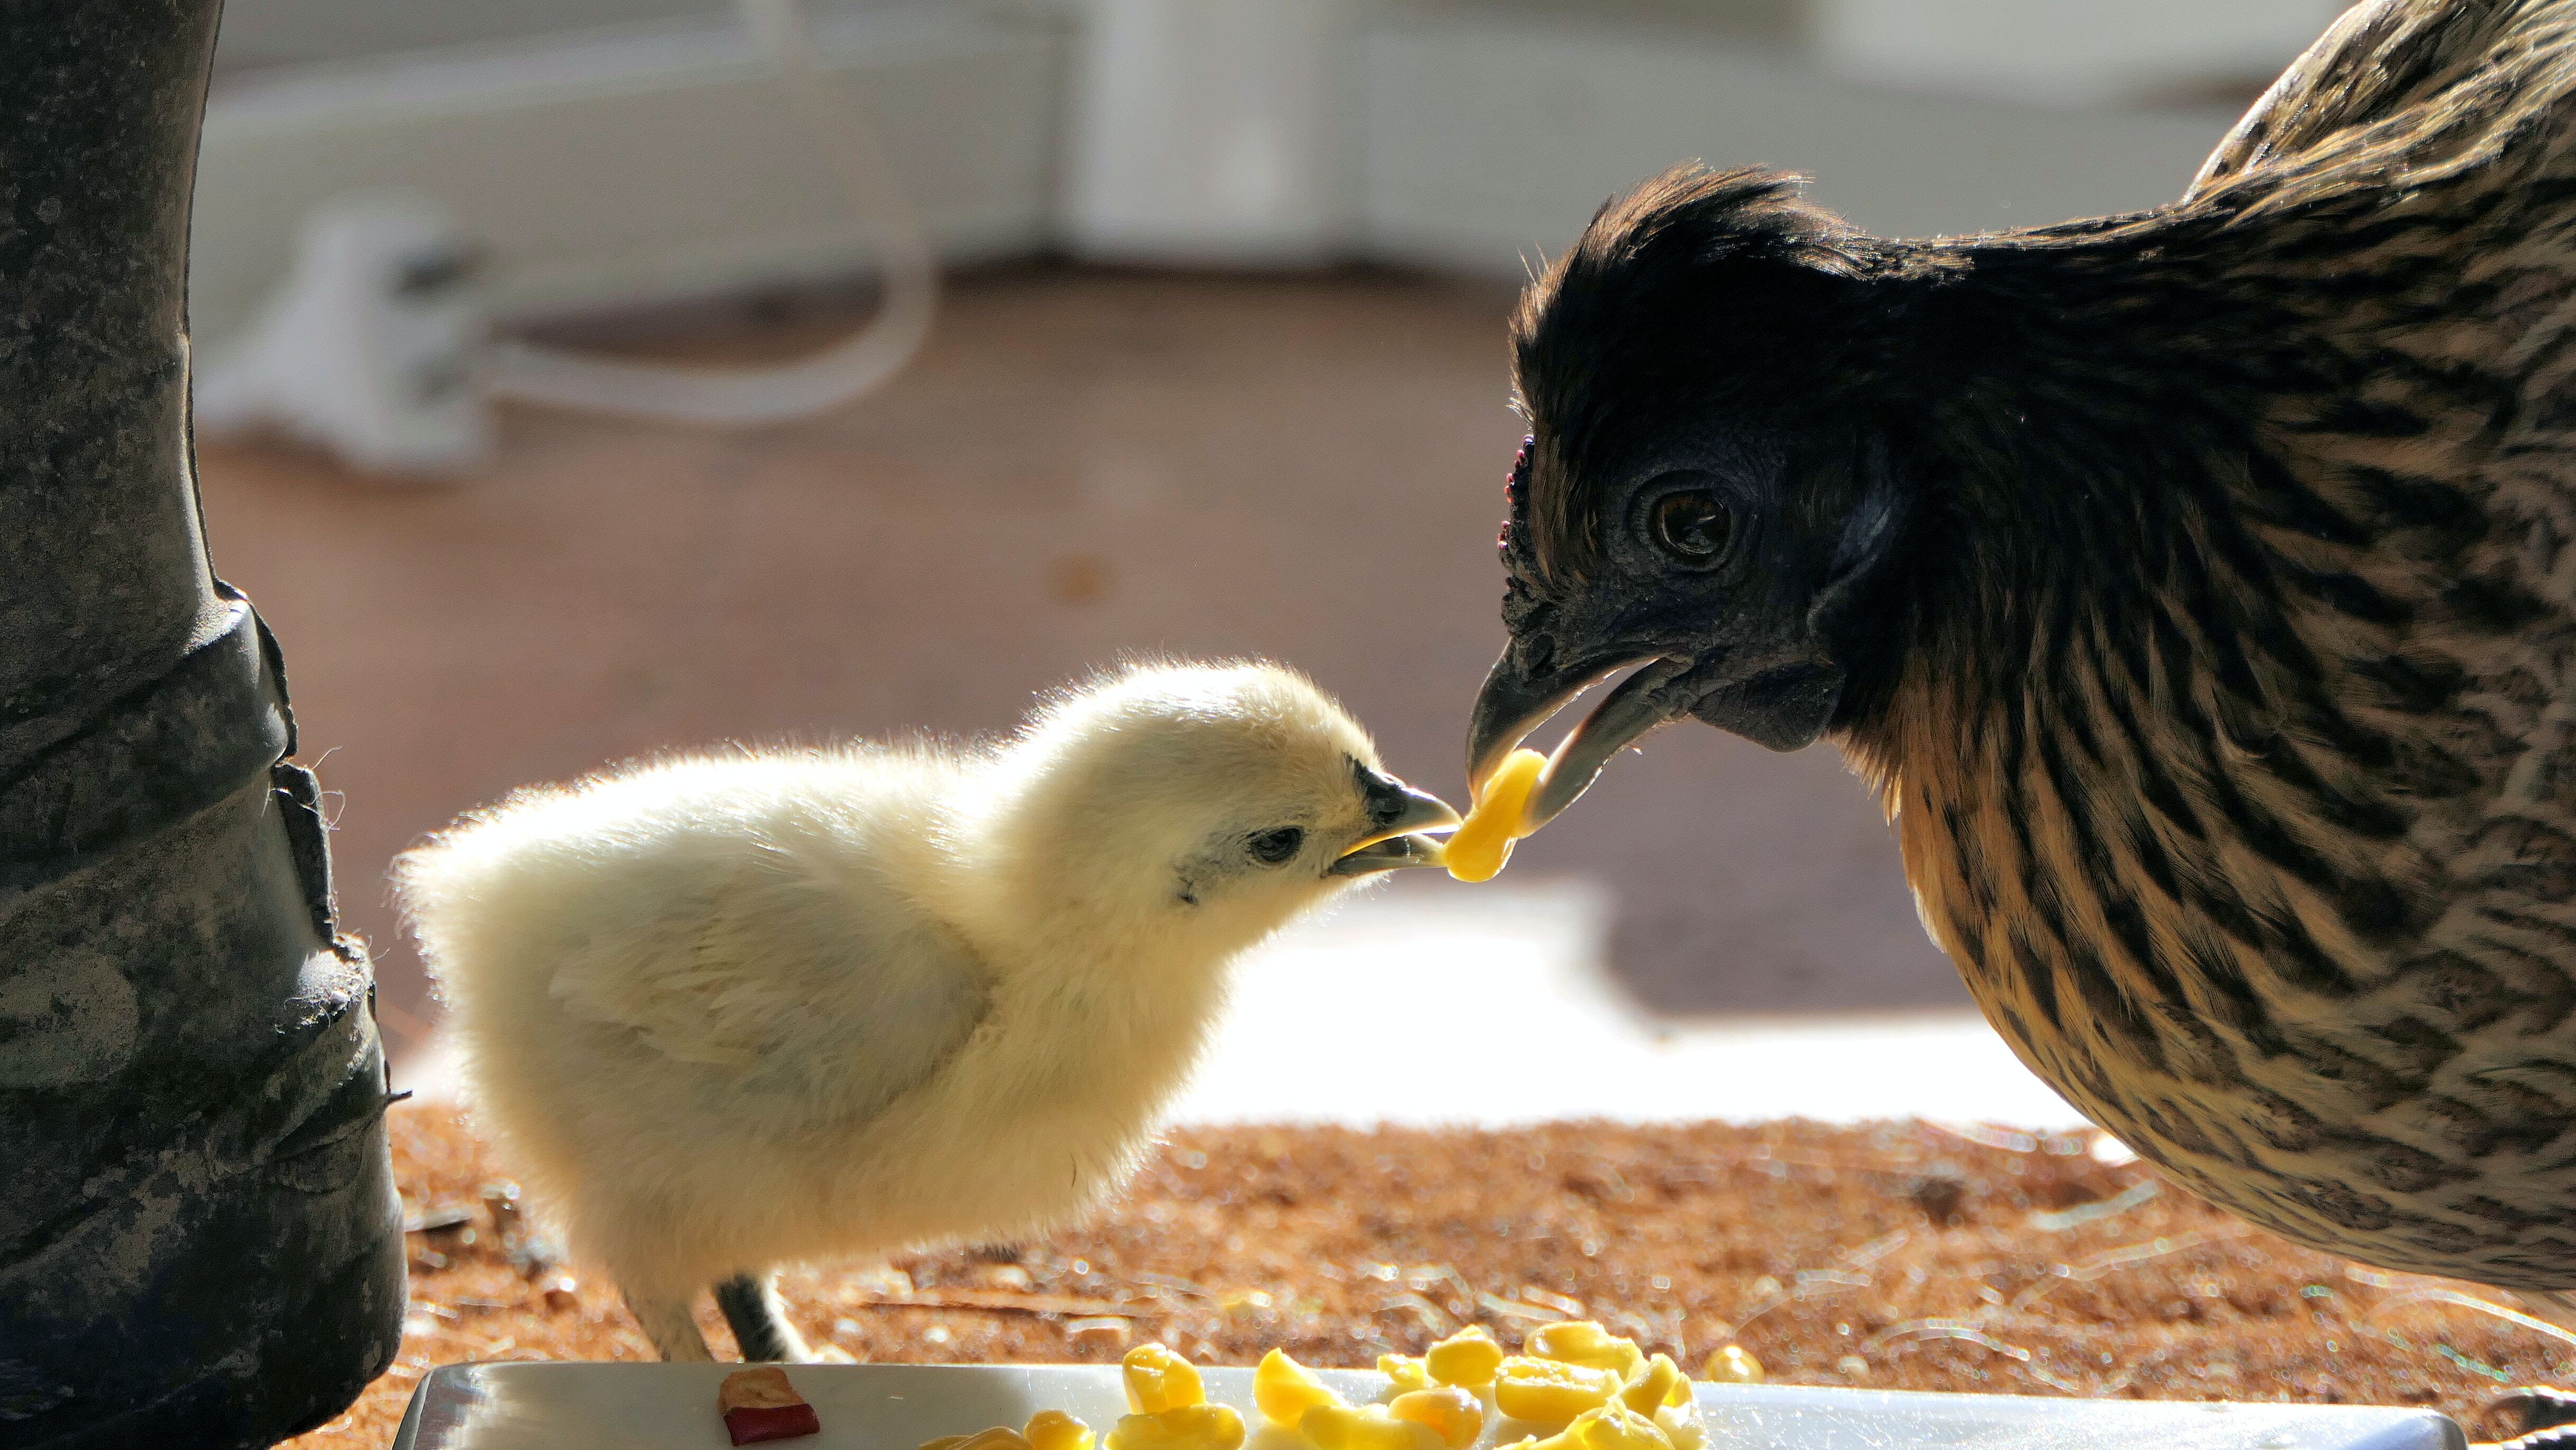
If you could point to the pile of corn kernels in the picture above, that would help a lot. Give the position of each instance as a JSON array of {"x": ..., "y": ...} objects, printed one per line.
[{"x": 1592, "y": 1389}]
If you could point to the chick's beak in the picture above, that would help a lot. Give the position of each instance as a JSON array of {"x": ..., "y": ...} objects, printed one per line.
[
  {"x": 1396, "y": 813},
  {"x": 1517, "y": 699}
]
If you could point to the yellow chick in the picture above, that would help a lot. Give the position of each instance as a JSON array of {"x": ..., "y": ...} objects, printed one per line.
[{"x": 731, "y": 1011}]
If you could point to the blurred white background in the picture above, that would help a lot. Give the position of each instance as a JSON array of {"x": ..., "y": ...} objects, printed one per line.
[{"x": 614, "y": 151}]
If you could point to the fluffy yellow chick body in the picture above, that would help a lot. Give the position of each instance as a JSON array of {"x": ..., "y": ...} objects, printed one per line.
[{"x": 728, "y": 1012}]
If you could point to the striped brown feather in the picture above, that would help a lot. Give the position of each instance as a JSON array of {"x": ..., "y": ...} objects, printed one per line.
[{"x": 2242, "y": 790}]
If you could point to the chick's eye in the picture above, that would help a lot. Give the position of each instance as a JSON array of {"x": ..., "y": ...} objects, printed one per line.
[
  {"x": 1692, "y": 525},
  {"x": 1274, "y": 846}
]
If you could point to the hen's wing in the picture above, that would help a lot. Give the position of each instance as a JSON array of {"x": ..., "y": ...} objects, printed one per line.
[
  {"x": 2398, "y": 86},
  {"x": 2313, "y": 434},
  {"x": 777, "y": 962}
]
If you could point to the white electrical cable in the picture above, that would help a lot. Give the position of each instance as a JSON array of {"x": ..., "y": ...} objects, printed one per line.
[{"x": 907, "y": 265}]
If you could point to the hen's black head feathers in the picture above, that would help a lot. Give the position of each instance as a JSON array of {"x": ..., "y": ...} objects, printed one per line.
[{"x": 1678, "y": 296}]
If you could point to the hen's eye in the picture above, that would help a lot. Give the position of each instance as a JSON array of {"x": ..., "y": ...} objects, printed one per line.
[
  {"x": 1272, "y": 847},
  {"x": 1693, "y": 526}
]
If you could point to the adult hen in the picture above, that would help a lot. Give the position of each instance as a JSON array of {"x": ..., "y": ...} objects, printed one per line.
[
  {"x": 733, "y": 1011},
  {"x": 2195, "y": 586}
]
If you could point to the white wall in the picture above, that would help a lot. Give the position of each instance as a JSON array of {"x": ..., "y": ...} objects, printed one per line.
[
  {"x": 1211, "y": 131},
  {"x": 2062, "y": 52},
  {"x": 261, "y": 35},
  {"x": 607, "y": 170},
  {"x": 659, "y": 161},
  {"x": 1491, "y": 140}
]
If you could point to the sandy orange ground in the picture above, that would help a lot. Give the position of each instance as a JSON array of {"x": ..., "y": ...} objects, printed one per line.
[{"x": 1896, "y": 1255}]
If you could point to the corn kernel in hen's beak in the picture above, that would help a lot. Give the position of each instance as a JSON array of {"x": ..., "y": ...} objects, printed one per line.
[{"x": 1500, "y": 816}]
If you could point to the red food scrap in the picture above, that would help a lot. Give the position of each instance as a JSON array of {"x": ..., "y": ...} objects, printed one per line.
[{"x": 759, "y": 1404}]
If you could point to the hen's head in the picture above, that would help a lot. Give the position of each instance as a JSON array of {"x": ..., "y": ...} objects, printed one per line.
[
  {"x": 1707, "y": 487},
  {"x": 1225, "y": 795}
]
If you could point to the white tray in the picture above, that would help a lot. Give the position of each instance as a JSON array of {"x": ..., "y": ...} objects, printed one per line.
[{"x": 896, "y": 1407}]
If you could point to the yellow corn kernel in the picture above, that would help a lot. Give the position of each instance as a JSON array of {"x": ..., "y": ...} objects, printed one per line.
[
  {"x": 1000, "y": 1437},
  {"x": 1569, "y": 1438},
  {"x": 1662, "y": 1383},
  {"x": 1405, "y": 1371},
  {"x": 1732, "y": 1366},
  {"x": 1483, "y": 842},
  {"x": 1468, "y": 1357},
  {"x": 1159, "y": 1380},
  {"x": 1680, "y": 1424},
  {"x": 1056, "y": 1430},
  {"x": 1616, "y": 1427},
  {"x": 1185, "y": 1427},
  {"x": 1339, "y": 1427},
  {"x": 1285, "y": 1390},
  {"x": 1453, "y": 1414},
  {"x": 1548, "y": 1391},
  {"x": 1583, "y": 1342}
]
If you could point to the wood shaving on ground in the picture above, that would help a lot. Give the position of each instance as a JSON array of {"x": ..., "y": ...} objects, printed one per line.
[{"x": 1887, "y": 1256}]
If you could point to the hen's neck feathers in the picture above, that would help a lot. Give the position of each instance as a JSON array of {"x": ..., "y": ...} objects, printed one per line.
[{"x": 2151, "y": 699}]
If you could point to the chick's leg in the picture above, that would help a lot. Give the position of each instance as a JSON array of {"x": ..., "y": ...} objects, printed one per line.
[
  {"x": 671, "y": 1327},
  {"x": 750, "y": 1304}
]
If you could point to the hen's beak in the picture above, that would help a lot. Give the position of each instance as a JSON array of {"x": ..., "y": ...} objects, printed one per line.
[
  {"x": 1396, "y": 813},
  {"x": 1517, "y": 700}
]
